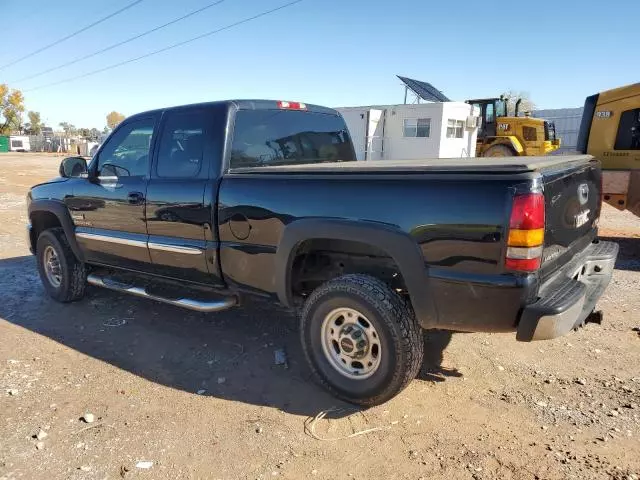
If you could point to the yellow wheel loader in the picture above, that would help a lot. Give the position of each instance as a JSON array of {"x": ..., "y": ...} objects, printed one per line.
[
  {"x": 500, "y": 135},
  {"x": 610, "y": 131}
]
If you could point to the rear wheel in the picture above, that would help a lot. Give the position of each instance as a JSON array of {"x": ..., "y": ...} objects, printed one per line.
[
  {"x": 361, "y": 339},
  {"x": 500, "y": 151},
  {"x": 63, "y": 275}
]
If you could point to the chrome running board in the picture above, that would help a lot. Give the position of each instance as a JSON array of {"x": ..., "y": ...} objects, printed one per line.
[{"x": 218, "y": 305}]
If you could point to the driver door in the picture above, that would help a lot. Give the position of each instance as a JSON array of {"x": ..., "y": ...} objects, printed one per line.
[{"x": 109, "y": 208}]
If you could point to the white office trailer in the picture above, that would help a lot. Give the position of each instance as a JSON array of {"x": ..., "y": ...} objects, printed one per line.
[
  {"x": 19, "y": 143},
  {"x": 412, "y": 131}
]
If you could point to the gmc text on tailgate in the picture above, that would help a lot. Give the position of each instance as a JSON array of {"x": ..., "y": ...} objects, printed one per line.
[{"x": 200, "y": 205}]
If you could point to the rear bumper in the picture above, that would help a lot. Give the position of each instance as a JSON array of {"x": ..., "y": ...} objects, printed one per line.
[{"x": 567, "y": 299}]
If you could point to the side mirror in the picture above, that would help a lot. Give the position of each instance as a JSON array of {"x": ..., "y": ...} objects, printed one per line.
[{"x": 72, "y": 167}]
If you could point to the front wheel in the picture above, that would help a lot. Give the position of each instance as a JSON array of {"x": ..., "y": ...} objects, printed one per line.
[
  {"x": 499, "y": 151},
  {"x": 361, "y": 339},
  {"x": 63, "y": 276}
]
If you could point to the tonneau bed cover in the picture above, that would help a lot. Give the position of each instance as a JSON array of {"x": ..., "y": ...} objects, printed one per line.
[{"x": 467, "y": 165}]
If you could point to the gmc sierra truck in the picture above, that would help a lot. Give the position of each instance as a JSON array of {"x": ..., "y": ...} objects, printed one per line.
[{"x": 198, "y": 206}]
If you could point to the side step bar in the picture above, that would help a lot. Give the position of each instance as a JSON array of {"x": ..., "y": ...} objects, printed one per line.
[{"x": 198, "y": 305}]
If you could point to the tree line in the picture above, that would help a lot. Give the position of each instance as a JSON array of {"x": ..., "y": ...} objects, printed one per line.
[{"x": 12, "y": 115}]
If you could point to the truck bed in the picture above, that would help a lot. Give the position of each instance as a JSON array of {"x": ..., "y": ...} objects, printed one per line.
[{"x": 468, "y": 165}]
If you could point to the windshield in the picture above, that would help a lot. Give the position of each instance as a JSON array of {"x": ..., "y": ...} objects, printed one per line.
[
  {"x": 289, "y": 137},
  {"x": 501, "y": 108}
]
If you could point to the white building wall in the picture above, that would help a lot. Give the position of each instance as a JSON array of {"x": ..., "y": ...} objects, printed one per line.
[
  {"x": 398, "y": 147},
  {"x": 457, "y": 147},
  {"x": 356, "y": 120},
  {"x": 567, "y": 122}
]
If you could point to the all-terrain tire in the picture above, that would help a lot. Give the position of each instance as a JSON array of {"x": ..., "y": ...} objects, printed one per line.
[
  {"x": 401, "y": 343},
  {"x": 72, "y": 272}
]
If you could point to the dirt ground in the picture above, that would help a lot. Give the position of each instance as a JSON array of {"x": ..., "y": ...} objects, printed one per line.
[{"x": 199, "y": 395}]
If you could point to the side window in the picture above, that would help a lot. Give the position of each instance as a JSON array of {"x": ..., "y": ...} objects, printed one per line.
[
  {"x": 126, "y": 154},
  {"x": 182, "y": 144},
  {"x": 455, "y": 128},
  {"x": 490, "y": 113},
  {"x": 530, "y": 134},
  {"x": 628, "y": 137},
  {"x": 410, "y": 127},
  {"x": 420, "y": 127}
]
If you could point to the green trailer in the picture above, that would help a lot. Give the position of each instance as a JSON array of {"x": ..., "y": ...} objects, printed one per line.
[{"x": 4, "y": 144}]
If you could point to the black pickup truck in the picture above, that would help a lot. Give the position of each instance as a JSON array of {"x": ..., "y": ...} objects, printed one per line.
[{"x": 200, "y": 205}]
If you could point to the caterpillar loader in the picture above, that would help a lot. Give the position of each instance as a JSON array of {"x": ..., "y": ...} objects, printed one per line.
[
  {"x": 610, "y": 131},
  {"x": 500, "y": 135}
]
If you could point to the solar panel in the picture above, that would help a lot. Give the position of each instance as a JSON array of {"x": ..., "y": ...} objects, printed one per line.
[{"x": 424, "y": 90}]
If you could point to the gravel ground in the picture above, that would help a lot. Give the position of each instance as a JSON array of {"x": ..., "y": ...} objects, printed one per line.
[{"x": 119, "y": 387}]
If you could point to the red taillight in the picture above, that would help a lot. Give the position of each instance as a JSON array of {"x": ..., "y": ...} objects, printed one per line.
[
  {"x": 523, "y": 265},
  {"x": 526, "y": 233},
  {"x": 527, "y": 212},
  {"x": 291, "y": 105}
]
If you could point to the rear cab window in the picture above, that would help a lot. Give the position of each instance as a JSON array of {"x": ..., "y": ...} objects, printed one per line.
[
  {"x": 182, "y": 144},
  {"x": 268, "y": 137}
]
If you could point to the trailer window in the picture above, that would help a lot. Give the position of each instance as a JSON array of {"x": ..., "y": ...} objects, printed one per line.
[
  {"x": 288, "y": 137},
  {"x": 455, "y": 128},
  {"x": 417, "y": 127},
  {"x": 16, "y": 143},
  {"x": 628, "y": 137}
]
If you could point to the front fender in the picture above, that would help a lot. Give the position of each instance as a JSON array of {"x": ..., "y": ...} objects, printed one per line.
[
  {"x": 59, "y": 209},
  {"x": 400, "y": 246},
  {"x": 515, "y": 144}
]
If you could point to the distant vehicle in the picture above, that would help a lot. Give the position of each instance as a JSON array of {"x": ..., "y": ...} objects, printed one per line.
[
  {"x": 19, "y": 143},
  {"x": 610, "y": 131},
  {"x": 202, "y": 205}
]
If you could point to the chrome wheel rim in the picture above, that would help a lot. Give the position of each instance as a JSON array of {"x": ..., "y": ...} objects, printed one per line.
[
  {"x": 52, "y": 266},
  {"x": 350, "y": 343}
]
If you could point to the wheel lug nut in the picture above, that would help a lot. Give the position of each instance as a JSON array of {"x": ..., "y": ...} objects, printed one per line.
[
  {"x": 362, "y": 344},
  {"x": 357, "y": 334}
]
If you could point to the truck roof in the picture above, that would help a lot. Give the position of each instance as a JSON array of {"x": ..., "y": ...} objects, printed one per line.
[
  {"x": 240, "y": 104},
  {"x": 472, "y": 165}
]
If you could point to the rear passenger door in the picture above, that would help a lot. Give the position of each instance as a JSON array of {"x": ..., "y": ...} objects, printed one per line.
[{"x": 180, "y": 197}]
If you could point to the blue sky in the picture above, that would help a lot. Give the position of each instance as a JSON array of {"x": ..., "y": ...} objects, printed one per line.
[{"x": 330, "y": 52}]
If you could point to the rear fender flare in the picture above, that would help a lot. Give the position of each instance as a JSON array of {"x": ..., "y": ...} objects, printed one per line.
[
  {"x": 60, "y": 210},
  {"x": 400, "y": 246}
]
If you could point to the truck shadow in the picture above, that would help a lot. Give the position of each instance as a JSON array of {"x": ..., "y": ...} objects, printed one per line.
[
  {"x": 629, "y": 256},
  {"x": 435, "y": 343},
  {"x": 229, "y": 355}
]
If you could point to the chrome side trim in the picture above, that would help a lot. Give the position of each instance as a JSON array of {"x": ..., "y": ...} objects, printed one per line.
[
  {"x": 175, "y": 248},
  {"x": 222, "y": 303},
  {"x": 110, "y": 239}
]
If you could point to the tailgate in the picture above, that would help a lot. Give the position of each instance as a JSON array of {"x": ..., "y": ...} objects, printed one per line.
[{"x": 572, "y": 206}]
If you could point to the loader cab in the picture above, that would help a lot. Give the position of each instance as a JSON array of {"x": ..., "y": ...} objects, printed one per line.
[{"x": 490, "y": 110}]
